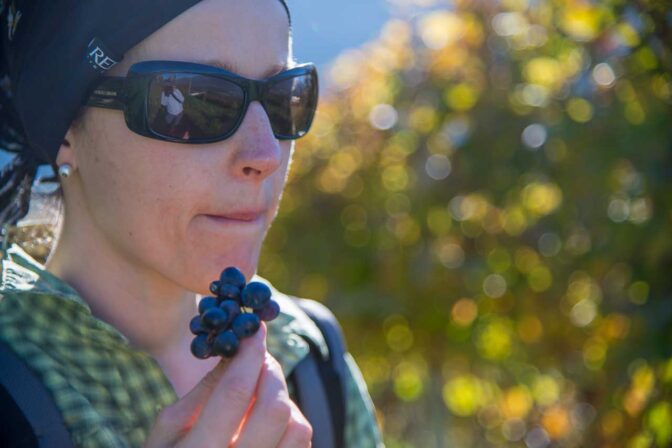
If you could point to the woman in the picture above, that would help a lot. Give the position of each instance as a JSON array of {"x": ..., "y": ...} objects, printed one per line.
[{"x": 150, "y": 219}]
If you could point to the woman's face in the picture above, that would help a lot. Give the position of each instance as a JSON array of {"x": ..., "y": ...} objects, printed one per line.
[{"x": 149, "y": 200}]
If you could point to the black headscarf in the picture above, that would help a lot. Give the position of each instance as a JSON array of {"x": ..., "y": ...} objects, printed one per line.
[{"x": 50, "y": 53}]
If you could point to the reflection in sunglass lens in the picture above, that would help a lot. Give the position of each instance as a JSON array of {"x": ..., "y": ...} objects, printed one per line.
[
  {"x": 290, "y": 104},
  {"x": 189, "y": 106}
]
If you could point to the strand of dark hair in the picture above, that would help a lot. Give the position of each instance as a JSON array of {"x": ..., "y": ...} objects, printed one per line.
[{"x": 16, "y": 179}]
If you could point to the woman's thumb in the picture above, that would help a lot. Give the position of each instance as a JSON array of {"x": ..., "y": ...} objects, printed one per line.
[{"x": 175, "y": 421}]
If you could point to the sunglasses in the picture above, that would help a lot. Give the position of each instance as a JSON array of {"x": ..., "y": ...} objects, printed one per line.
[{"x": 185, "y": 102}]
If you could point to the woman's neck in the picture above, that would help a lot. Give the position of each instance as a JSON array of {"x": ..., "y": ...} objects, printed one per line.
[{"x": 146, "y": 307}]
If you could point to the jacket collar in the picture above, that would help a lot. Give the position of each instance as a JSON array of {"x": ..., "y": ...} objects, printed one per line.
[{"x": 288, "y": 333}]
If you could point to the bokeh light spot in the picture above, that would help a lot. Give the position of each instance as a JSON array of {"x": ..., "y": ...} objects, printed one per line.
[
  {"x": 440, "y": 29},
  {"x": 530, "y": 329},
  {"x": 556, "y": 422},
  {"x": 539, "y": 278},
  {"x": 659, "y": 420},
  {"x": 517, "y": 402},
  {"x": 461, "y": 97},
  {"x": 549, "y": 244},
  {"x": 423, "y": 119},
  {"x": 526, "y": 259},
  {"x": 619, "y": 209},
  {"x": 439, "y": 220},
  {"x": 383, "y": 116},
  {"x": 464, "y": 312},
  {"x": 534, "y": 136},
  {"x": 408, "y": 383},
  {"x": 449, "y": 253},
  {"x": 542, "y": 198},
  {"x": 494, "y": 286},
  {"x": 603, "y": 75},
  {"x": 463, "y": 395},
  {"x": 582, "y": 21},
  {"x": 594, "y": 353},
  {"x": 494, "y": 340},
  {"x": 583, "y": 313},
  {"x": 438, "y": 166},
  {"x": 499, "y": 260},
  {"x": 395, "y": 177},
  {"x": 579, "y": 110},
  {"x": 546, "y": 390},
  {"x": 537, "y": 438}
]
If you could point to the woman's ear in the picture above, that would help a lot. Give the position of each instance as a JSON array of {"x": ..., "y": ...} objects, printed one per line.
[{"x": 66, "y": 153}]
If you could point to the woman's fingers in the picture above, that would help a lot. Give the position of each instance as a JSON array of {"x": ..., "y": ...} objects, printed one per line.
[
  {"x": 231, "y": 397},
  {"x": 271, "y": 412},
  {"x": 275, "y": 420},
  {"x": 174, "y": 421},
  {"x": 299, "y": 432},
  {"x": 242, "y": 402}
]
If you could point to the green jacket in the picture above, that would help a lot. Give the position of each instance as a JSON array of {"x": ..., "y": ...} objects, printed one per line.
[{"x": 109, "y": 393}]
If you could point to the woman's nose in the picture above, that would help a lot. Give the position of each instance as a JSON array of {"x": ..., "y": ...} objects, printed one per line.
[{"x": 258, "y": 152}]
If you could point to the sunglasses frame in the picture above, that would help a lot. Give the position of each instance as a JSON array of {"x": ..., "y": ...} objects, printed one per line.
[{"x": 131, "y": 94}]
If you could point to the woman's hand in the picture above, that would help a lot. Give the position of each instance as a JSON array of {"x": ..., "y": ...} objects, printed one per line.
[{"x": 242, "y": 402}]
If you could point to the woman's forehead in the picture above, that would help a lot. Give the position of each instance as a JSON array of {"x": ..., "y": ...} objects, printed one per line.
[{"x": 226, "y": 33}]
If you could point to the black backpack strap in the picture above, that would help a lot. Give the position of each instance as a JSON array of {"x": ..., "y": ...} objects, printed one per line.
[
  {"x": 313, "y": 400},
  {"x": 321, "y": 381},
  {"x": 34, "y": 400}
]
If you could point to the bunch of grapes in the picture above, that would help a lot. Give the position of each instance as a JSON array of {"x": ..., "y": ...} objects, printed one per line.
[{"x": 234, "y": 312}]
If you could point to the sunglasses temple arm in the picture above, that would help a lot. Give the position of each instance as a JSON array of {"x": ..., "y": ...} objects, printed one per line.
[{"x": 107, "y": 93}]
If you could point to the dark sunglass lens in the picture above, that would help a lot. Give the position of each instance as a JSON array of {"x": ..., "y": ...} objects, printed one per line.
[
  {"x": 187, "y": 106},
  {"x": 290, "y": 105}
]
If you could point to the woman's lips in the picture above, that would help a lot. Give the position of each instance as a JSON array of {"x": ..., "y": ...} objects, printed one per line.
[{"x": 242, "y": 216}]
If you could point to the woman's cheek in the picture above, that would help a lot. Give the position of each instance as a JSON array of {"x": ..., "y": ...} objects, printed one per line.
[{"x": 140, "y": 212}]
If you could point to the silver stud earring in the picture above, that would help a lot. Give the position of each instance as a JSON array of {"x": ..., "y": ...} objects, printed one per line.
[{"x": 65, "y": 170}]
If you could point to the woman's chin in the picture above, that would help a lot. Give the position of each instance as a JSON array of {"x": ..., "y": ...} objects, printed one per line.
[
  {"x": 246, "y": 262},
  {"x": 205, "y": 262}
]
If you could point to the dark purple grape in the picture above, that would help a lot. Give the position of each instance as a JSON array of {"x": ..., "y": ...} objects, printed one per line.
[
  {"x": 200, "y": 347},
  {"x": 214, "y": 287},
  {"x": 245, "y": 325},
  {"x": 269, "y": 311},
  {"x": 225, "y": 344},
  {"x": 232, "y": 308},
  {"x": 229, "y": 291},
  {"x": 232, "y": 276},
  {"x": 214, "y": 319},
  {"x": 206, "y": 303},
  {"x": 195, "y": 326},
  {"x": 255, "y": 295}
]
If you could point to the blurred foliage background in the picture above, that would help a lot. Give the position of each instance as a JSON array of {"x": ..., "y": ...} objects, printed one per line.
[{"x": 485, "y": 202}]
